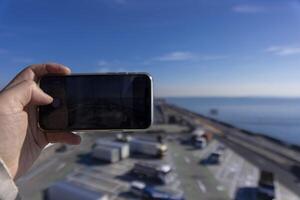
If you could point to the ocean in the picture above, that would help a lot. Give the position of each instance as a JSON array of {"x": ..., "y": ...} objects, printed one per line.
[{"x": 275, "y": 117}]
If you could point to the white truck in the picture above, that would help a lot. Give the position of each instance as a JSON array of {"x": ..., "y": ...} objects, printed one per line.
[
  {"x": 70, "y": 190},
  {"x": 122, "y": 147},
  {"x": 108, "y": 154},
  {"x": 149, "y": 148}
]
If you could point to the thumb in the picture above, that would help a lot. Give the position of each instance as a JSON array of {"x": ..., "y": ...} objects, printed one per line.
[{"x": 24, "y": 93}]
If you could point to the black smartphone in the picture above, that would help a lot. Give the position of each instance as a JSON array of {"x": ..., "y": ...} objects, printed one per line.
[{"x": 122, "y": 101}]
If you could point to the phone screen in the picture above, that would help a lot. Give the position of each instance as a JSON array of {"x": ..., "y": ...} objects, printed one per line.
[{"x": 95, "y": 102}]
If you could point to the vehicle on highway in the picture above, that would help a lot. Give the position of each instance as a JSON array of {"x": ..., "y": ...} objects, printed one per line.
[
  {"x": 200, "y": 143},
  {"x": 266, "y": 186},
  {"x": 143, "y": 191},
  {"x": 214, "y": 158},
  {"x": 62, "y": 148},
  {"x": 123, "y": 137},
  {"x": 200, "y": 137},
  {"x": 149, "y": 148},
  {"x": 160, "y": 172}
]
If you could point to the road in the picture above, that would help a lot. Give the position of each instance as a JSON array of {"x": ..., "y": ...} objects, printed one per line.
[
  {"x": 263, "y": 153},
  {"x": 197, "y": 181}
]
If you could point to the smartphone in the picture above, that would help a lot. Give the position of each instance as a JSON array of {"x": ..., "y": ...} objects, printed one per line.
[{"x": 112, "y": 101}]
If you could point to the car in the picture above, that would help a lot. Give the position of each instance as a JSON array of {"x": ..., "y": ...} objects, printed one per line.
[
  {"x": 62, "y": 148},
  {"x": 123, "y": 137},
  {"x": 200, "y": 143},
  {"x": 160, "y": 172},
  {"x": 266, "y": 186},
  {"x": 143, "y": 191},
  {"x": 213, "y": 159}
]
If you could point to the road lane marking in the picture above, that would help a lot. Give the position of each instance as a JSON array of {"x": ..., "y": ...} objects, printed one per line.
[
  {"x": 201, "y": 186},
  {"x": 220, "y": 188},
  {"x": 277, "y": 191},
  {"x": 236, "y": 178},
  {"x": 187, "y": 160},
  {"x": 62, "y": 165}
]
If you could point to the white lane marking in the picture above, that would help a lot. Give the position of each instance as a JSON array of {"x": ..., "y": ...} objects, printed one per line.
[
  {"x": 62, "y": 165},
  {"x": 201, "y": 186},
  {"x": 235, "y": 179},
  {"x": 222, "y": 169},
  {"x": 187, "y": 160},
  {"x": 220, "y": 188},
  {"x": 277, "y": 191}
]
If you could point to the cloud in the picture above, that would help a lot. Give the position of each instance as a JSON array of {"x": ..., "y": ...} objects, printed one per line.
[
  {"x": 103, "y": 70},
  {"x": 187, "y": 56},
  {"x": 111, "y": 69},
  {"x": 176, "y": 56},
  {"x": 109, "y": 63},
  {"x": 247, "y": 8},
  {"x": 102, "y": 63},
  {"x": 111, "y": 66},
  {"x": 283, "y": 50}
]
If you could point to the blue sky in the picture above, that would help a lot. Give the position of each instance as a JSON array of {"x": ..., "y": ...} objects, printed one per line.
[{"x": 191, "y": 47}]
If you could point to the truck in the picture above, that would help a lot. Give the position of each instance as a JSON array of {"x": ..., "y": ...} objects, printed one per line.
[
  {"x": 70, "y": 190},
  {"x": 160, "y": 172},
  {"x": 201, "y": 137},
  {"x": 123, "y": 148},
  {"x": 200, "y": 142},
  {"x": 266, "y": 186},
  {"x": 149, "y": 148},
  {"x": 105, "y": 153}
]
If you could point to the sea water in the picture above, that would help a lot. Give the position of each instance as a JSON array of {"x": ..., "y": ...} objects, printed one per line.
[{"x": 275, "y": 117}]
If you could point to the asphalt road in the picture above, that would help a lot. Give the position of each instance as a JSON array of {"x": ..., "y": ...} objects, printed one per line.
[
  {"x": 260, "y": 153},
  {"x": 197, "y": 181}
]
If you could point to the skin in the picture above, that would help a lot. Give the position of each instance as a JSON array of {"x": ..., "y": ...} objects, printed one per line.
[{"x": 21, "y": 141}]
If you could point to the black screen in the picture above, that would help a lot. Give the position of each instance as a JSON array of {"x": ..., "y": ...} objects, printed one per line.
[{"x": 86, "y": 102}]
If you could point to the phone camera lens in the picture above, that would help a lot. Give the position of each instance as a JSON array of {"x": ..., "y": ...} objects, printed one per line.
[{"x": 56, "y": 103}]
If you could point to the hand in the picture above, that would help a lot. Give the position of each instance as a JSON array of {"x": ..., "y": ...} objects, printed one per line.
[{"x": 21, "y": 141}]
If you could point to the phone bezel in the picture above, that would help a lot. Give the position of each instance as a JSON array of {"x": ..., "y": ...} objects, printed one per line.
[{"x": 103, "y": 130}]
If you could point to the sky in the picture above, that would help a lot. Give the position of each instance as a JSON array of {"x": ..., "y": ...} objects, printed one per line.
[{"x": 190, "y": 47}]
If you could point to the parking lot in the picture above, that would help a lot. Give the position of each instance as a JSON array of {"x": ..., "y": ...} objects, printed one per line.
[
  {"x": 233, "y": 178},
  {"x": 191, "y": 178}
]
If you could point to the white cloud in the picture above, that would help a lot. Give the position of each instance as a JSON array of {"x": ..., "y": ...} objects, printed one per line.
[
  {"x": 102, "y": 63},
  {"x": 109, "y": 63},
  {"x": 283, "y": 50},
  {"x": 103, "y": 70},
  {"x": 186, "y": 56},
  {"x": 176, "y": 56},
  {"x": 247, "y": 8}
]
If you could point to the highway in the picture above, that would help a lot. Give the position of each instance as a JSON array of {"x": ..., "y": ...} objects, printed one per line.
[{"x": 262, "y": 153}]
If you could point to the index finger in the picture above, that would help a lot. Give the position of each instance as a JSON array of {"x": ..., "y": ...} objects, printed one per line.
[{"x": 36, "y": 71}]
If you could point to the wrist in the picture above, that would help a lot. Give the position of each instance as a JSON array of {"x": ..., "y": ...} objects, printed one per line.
[{"x": 8, "y": 189}]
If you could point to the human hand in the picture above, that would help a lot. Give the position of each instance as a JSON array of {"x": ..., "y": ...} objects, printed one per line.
[{"x": 21, "y": 141}]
